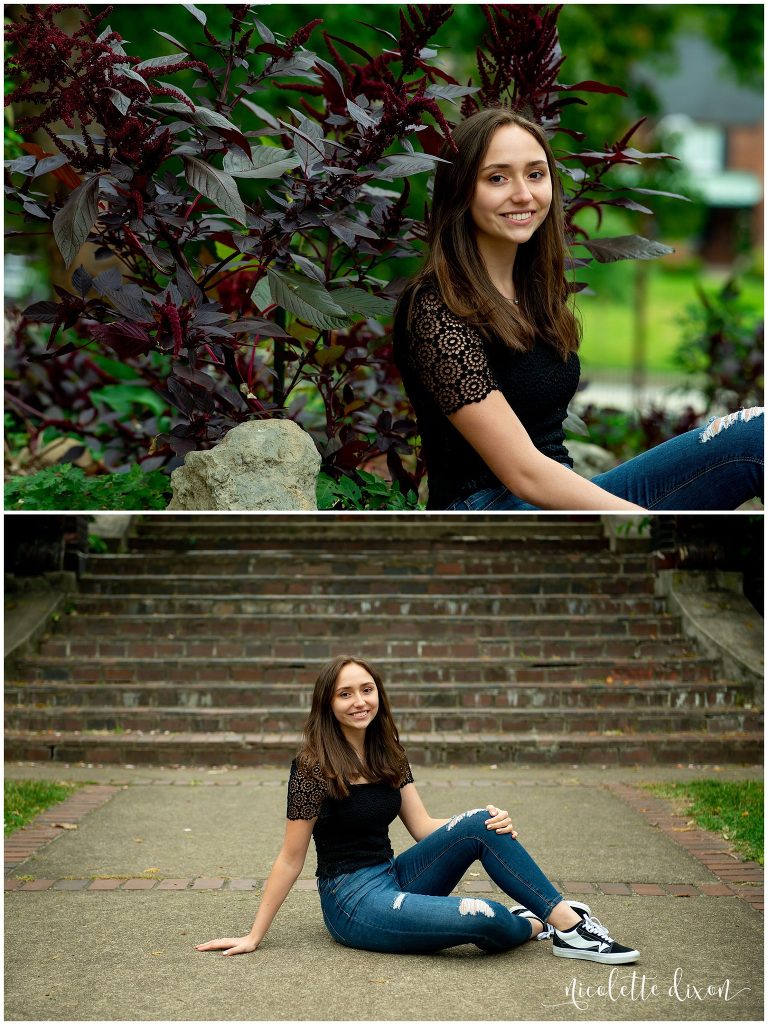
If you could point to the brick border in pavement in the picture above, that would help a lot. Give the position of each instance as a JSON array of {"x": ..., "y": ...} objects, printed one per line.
[
  {"x": 42, "y": 830},
  {"x": 738, "y": 877},
  {"x": 198, "y": 884}
]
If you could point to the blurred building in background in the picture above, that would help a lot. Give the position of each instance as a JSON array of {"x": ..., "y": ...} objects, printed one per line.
[{"x": 720, "y": 132}]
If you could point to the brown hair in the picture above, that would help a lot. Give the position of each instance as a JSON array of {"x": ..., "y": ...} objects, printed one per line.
[
  {"x": 454, "y": 264},
  {"x": 325, "y": 745}
]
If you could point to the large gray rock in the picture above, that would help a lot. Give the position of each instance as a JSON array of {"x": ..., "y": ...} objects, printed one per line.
[
  {"x": 262, "y": 464},
  {"x": 588, "y": 459}
]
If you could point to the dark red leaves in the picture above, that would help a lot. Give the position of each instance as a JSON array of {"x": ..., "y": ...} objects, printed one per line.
[{"x": 125, "y": 339}]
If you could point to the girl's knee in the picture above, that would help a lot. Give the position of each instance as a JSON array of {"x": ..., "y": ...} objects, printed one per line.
[
  {"x": 468, "y": 821},
  {"x": 719, "y": 424}
]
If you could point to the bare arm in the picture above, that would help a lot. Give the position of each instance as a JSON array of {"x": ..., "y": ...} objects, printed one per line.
[
  {"x": 285, "y": 871},
  {"x": 495, "y": 432},
  {"x": 415, "y": 816},
  {"x": 420, "y": 823}
]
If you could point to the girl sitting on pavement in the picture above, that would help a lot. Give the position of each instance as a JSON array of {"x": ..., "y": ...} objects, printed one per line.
[
  {"x": 486, "y": 343},
  {"x": 348, "y": 783}
]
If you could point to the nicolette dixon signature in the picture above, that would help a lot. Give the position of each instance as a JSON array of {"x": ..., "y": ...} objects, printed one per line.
[{"x": 636, "y": 987}]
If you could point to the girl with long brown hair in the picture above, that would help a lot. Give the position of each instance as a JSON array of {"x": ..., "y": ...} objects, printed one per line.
[
  {"x": 350, "y": 780},
  {"x": 486, "y": 343}
]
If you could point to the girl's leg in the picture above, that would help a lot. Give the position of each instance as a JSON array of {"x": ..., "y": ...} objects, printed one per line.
[
  {"x": 496, "y": 499},
  {"x": 436, "y": 864},
  {"x": 368, "y": 910},
  {"x": 712, "y": 468}
]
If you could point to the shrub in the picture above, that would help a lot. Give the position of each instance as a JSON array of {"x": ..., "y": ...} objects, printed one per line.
[
  {"x": 68, "y": 487},
  {"x": 723, "y": 348},
  {"x": 627, "y": 433}
]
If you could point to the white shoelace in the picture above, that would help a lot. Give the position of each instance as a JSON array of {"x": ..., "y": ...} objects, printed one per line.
[{"x": 597, "y": 927}]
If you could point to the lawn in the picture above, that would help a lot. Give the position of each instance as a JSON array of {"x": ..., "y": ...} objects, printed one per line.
[
  {"x": 733, "y": 810},
  {"x": 25, "y": 799},
  {"x": 607, "y": 316}
]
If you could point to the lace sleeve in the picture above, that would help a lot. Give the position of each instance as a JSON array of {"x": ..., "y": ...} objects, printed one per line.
[
  {"x": 306, "y": 792},
  {"x": 448, "y": 355},
  {"x": 407, "y": 776}
]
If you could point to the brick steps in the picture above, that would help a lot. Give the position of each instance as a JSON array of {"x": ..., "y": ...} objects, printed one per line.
[
  {"x": 427, "y": 561},
  {"x": 281, "y": 624},
  {"x": 500, "y": 639},
  {"x": 267, "y": 719},
  {"x": 437, "y": 748},
  {"x": 315, "y": 584},
  {"x": 354, "y": 603},
  {"x": 190, "y": 529},
  {"x": 304, "y": 670},
  {"x": 641, "y": 695},
  {"x": 550, "y": 649}
]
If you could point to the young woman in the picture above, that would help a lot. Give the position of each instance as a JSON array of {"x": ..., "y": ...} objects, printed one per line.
[
  {"x": 349, "y": 782},
  {"x": 486, "y": 345}
]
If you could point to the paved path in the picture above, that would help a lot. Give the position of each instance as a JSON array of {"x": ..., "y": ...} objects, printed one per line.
[{"x": 101, "y": 920}]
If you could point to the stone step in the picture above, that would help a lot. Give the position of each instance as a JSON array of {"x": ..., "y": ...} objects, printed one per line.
[
  {"x": 639, "y": 694},
  {"x": 304, "y": 671},
  {"x": 412, "y": 583},
  {"x": 445, "y": 562},
  {"x": 277, "y": 720},
  {"x": 368, "y": 527},
  {"x": 225, "y": 605},
  {"x": 325, "y": 645},
  {"x": 378, "y": 544},
  {"x": 312, "y": 624},
  {"x": 423, "y": 748}
]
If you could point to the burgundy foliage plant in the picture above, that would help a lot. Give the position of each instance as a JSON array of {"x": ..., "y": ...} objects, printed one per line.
[{"x": 246, "y": 246}]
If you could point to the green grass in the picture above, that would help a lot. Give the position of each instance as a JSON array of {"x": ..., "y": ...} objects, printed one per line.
[
  {"x": 734, "y": 810},
  {"x": 24, "y": 799},
  {"x": 607, "y": 317}
]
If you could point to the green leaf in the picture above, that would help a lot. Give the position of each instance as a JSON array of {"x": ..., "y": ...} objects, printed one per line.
[
  {"x": 262, "y": 296},
  {"x": 265, "y": 162},
  {"x": 450, "y": 92},
  {"x": 624, "y": 247},
  {"x": 347, "y": 489},
  {"x": 329, "y": 355},
  {"x": 217, "y": 185},
  {"x": 72, "y": 224},
  {"x": 403, "y": 165},
  {"x": 123, "y": 397},
  {"x": 119, "y": 99},
  {"x": 356, "y": 302},
  {"x": 308, "y": 300},
  {"x": 127, "y": 72},
  {"x": 196, "y": 13},
  {"x": 204, "y": 117},
  {"x": 161, "y": 62},
  {"x": 326, "y": 491}
]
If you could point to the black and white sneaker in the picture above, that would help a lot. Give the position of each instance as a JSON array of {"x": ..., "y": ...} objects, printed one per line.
[
  {"x": 548, "y": 930},
  {"x": 590, "y": 941}
]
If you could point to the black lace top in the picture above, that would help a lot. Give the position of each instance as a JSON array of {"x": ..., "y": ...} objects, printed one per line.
[
  {"x": 351, "y": 833},
  {"x": 446, "y": 364}
]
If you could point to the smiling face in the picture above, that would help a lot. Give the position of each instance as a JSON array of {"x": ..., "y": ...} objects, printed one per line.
[
  {"x": 513, "y": 190},
  {"x": 355, "y": 701}
]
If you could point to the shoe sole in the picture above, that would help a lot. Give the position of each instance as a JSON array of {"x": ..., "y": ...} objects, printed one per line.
[{"x": 593, "y": 955}]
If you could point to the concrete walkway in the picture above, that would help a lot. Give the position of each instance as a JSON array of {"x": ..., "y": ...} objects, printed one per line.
[{"x": 101, "y": 920}]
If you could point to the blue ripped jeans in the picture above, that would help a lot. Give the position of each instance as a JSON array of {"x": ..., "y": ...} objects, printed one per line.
[
  {"x": 404, "y": 905},
  {"x": 703, "y": 469}
]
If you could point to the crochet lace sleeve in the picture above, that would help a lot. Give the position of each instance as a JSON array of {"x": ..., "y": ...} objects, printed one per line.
[
  {"x": 448, "y": 355},
  {"x": 306, "y": 792}
]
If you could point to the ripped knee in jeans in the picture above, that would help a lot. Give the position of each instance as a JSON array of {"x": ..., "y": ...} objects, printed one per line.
[{"x": 722, "y": 423}]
